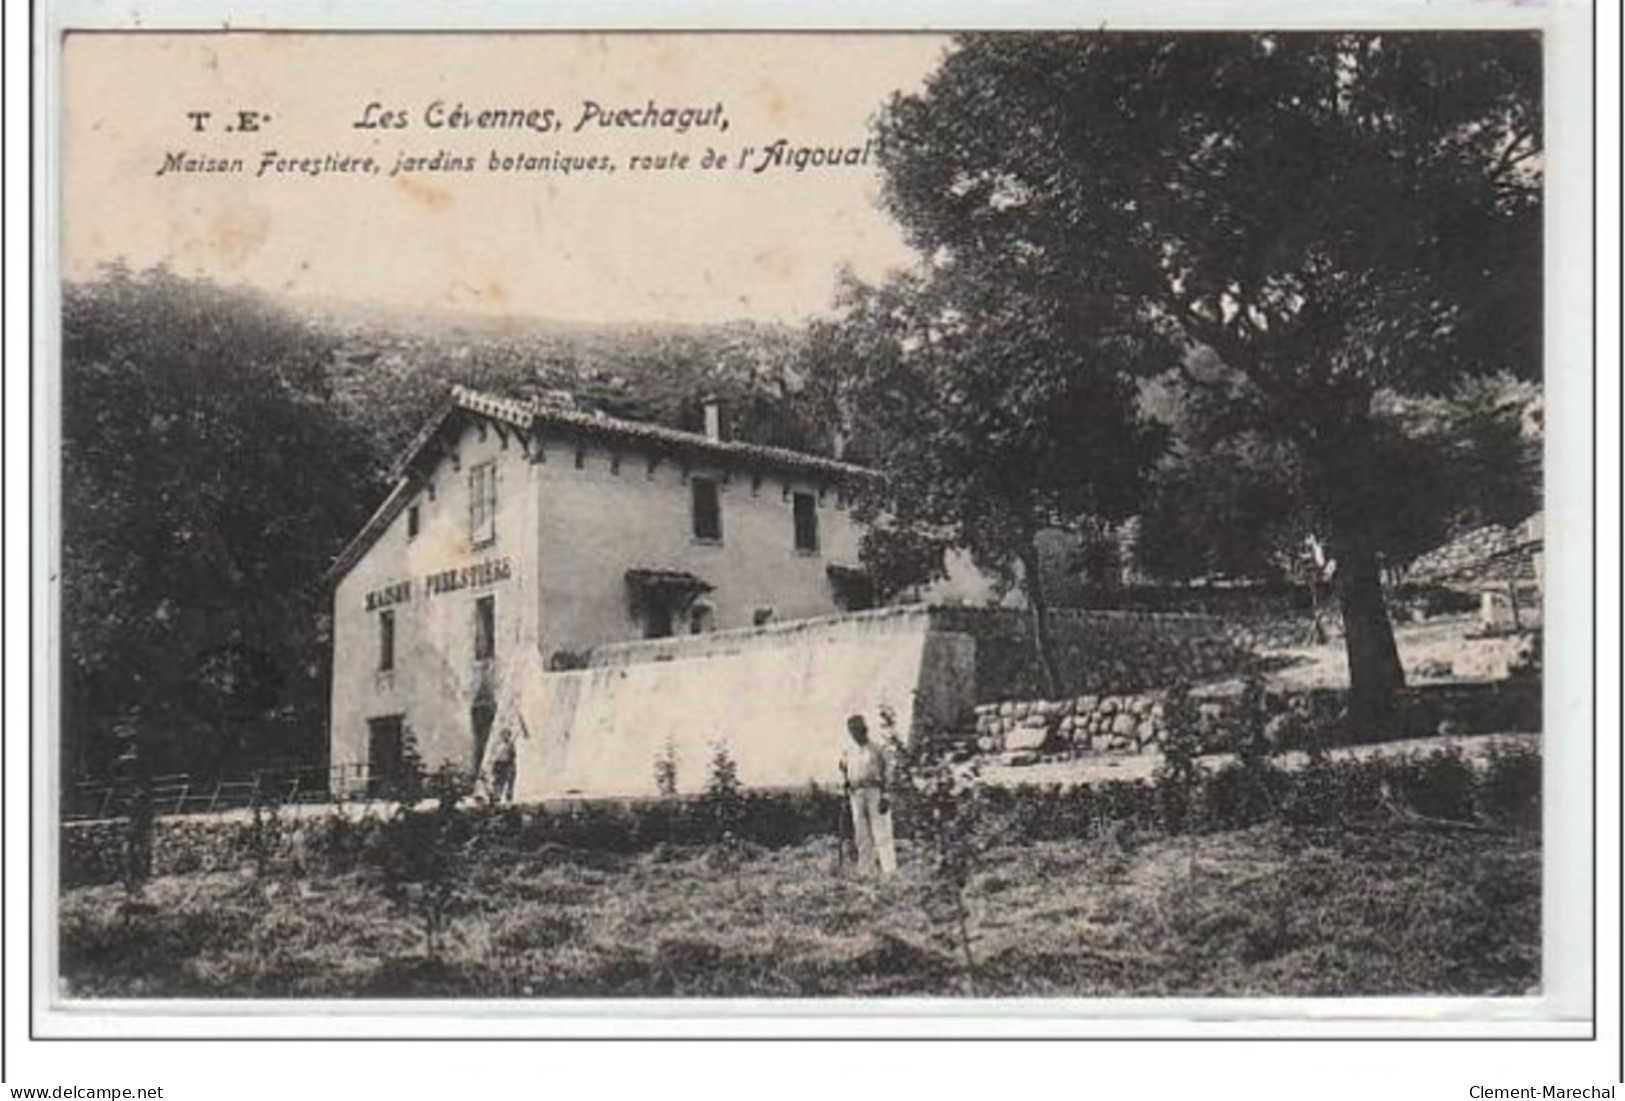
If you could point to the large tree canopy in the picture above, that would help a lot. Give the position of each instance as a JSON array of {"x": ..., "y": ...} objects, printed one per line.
[
  {"x": 1334, "y": 217},
  {"x": 206, "y": 484},
  {"x": 1238, "y": 504},
  {"x": 993, "y": 415}
]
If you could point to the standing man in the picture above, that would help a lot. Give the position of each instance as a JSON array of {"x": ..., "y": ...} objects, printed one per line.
[
  {"x": 503, "y": 766},
  {"x": 864, "y": 776}
]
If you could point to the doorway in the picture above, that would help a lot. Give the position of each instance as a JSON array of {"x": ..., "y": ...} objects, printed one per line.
[
  {"x": 480, "y": 718},
  {"x": 386, "y": 752},
  {"x": 657, "y": 617}
]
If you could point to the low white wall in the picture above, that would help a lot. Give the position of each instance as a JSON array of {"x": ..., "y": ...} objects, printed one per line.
[{"x": 777, "y": 697}]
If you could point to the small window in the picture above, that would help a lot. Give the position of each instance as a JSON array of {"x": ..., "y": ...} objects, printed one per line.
[
  {"x": 806, "y": 509},
  {"x": 386, "y": 640},
  {"x": 413, "y": 522},
  {"x": 482, "y": 503},
  {"x": 485, "y": 628},
  {"x": 707, "y": 510}
]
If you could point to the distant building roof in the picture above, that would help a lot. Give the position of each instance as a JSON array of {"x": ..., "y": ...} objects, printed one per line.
[{"x": 1489, "y": 555}]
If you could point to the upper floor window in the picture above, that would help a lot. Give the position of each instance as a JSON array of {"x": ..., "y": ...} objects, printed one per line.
[
  {"x": 386, "y": 640},
  {"x": 482, "y": 503},
  {"x": 707, "y": 510},
  {"x": 414, "y": 522},
  {"x": 806, "y": 512}
]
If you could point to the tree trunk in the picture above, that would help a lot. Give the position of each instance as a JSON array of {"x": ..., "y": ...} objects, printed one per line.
[
  {"x": 1375, "y": 674},
  {"x": 1038, "y": 604}
]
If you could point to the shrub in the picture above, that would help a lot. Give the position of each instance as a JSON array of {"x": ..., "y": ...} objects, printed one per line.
[
  {"x": 1511, "y": 787},
  {"x": 724, "y": 795},
  {"x": 1317, "y": 795},
  {"x": 1441, "y": 784},
  {"x": 1504, "y": 789},
  {"x": 944, "y": 801},
  {"x": 426, "y": 855},
  {"x": 266, "y": 835},
  {"x": 1178, "y": 777}
]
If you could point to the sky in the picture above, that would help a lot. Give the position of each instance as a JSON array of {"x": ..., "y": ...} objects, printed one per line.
[{"x": 690, "y": 244}]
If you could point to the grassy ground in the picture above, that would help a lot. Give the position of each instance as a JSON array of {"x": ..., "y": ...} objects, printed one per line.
[{"x": 1267, "y": 911}]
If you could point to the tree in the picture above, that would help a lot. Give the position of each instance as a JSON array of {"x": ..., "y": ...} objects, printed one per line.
[
  {"x": 1238, "y": 504},
  {"x": 206, "y": 484},
  {"x": 992, "y": 415},
  {"x": 1333, "y": 217}
]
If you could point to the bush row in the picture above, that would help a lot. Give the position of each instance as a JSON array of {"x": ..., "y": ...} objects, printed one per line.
[{"x": 1502, "y": 791}]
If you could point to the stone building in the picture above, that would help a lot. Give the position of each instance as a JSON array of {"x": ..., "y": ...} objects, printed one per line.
[{"x": 521, "y": 534}]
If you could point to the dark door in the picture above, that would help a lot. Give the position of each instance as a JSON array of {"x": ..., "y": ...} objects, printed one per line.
[
  {"x": 385, "y": 753},
  {"x": 657, "y": 618}
]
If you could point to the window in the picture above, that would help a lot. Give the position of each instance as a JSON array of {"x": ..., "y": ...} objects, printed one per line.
[
  {"x": 707, "y": 510},
  {"x": 485, "y": 628},
  {"x": 482, "y": 503},
  {"x": 806, "y": 508},
  {"x": 413, "y": 522},
  {"x": 386, "y": 640}
]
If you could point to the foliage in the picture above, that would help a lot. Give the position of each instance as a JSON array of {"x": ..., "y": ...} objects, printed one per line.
[
  {"x": 942, "y": 800},
  {"x": 1179, "y": 777},
  {"x": 426, "y": 853},
  {"x": 900, "y": 558},
  {"x": 393, "y": 369},
  {"x": 266, "y": 834},
  {"x": 724, "y": 795},
  {"x": 191, "y": 573},
  {"x": 1503, "y": 792},
  {"x": 1511, "y": 787},
  {"x": 994, "y": 414},
  {"x": 1462, "y": 459},
  {"x": 1319, "y": 219}
]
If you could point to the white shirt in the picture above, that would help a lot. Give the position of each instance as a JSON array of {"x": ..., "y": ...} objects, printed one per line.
[{"x": 864, "y": 766}]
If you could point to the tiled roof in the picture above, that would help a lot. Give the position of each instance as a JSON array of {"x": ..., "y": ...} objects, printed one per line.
[
  {"x": 370, "y": 531},
  {"x": 531, "y": 414},
  {"x": 667, "y": 579},
  {"x": 1483, "y": 556}
]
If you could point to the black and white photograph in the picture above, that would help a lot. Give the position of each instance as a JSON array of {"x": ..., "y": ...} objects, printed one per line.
[{"x": 893, "y": 518}]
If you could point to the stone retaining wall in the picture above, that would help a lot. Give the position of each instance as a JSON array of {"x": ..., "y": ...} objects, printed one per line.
[
  {"x": 1111, "y": 724},
  {"x": 1096, "y": 652}
]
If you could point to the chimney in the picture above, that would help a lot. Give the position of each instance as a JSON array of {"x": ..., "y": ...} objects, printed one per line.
[{"x": 713, "y": 417}]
